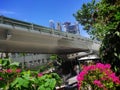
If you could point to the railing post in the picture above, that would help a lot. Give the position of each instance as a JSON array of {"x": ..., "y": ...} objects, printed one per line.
[
  {"x": 52, "y": 31},
  {"x": 32, "y": 27},
  {"x": 1, "y": 19}
]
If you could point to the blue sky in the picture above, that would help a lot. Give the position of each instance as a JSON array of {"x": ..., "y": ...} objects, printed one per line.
[{"x": 41, "y": 11}]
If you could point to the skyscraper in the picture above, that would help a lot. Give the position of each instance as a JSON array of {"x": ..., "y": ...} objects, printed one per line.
[
  {"x": 71, "y": 28},
  {"x": 52, "y": 24},
  {"x": 59, "y": 27},
  {"x": 66, "y": 25}
]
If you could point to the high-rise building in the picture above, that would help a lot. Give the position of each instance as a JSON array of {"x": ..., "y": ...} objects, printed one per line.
[
  {"x": 71, "y": 28},
  {"x": 77, "y": 27},
  {"x": 59, "y": 27},
  {"x": 66, "y": 25},
  {"x": 52, "y": 24}
]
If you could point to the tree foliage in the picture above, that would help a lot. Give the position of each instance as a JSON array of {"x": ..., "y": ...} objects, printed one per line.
[
  {"x": 84, "y": 15},
  {"x": 102, "y": 20},
  {"x": 110, "y": 49},
  {"x": 99, "y": 17}
]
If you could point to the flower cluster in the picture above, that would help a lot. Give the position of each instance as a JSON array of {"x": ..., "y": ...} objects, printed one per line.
[
  {"x": 14, "y": 78},
  {"x": 40, "y": 74},
  {"x": 98, "y": 76},
  {"x": 6, "y": 74},
  {"x": 9, "y": 71}
]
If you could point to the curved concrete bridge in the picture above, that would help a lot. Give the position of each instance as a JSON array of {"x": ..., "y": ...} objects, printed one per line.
[{"x": 20, "y": 36}]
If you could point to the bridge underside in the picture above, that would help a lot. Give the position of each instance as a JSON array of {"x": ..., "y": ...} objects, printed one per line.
[
  {"x": 11, "y": 46},
  {"x": 31, "y": 42}
]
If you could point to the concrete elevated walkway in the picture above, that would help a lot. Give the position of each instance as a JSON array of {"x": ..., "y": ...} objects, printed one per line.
[{"x": 20, "y": 36}]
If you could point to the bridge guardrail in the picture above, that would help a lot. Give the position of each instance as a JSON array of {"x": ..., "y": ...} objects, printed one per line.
[{"x": 38, "y": 28}]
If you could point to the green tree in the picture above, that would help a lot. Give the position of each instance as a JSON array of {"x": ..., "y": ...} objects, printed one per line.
[
  {"x": 85, "y": 15},
  {"x": 103, "y": 19},
  {"x": 99, "y": 17},
  {"x": 110, "y": 49}
]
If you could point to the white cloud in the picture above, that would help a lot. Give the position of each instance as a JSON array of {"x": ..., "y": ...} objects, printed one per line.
[{"x": 6, "y": 12}]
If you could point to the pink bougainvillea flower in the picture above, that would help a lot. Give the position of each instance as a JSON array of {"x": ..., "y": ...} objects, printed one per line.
[
  {"x": 18, "y": 70},
  {"x": 98, "y": 83},
  {"x": 1, "y": 78},
  {"x": 99, "y": 75},
  {"x": 107, "y": 66},
  {"x": 40, "y": 74},
  {"x": 100, "y": 65},
  {"x": 9, "y": 70},
  {"x": 80, "y": 77}
]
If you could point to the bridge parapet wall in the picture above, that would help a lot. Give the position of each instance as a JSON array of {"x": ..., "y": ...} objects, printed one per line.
[
  {"x": 30, "y": 27},
  {"x": 9, "y": 24}
]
